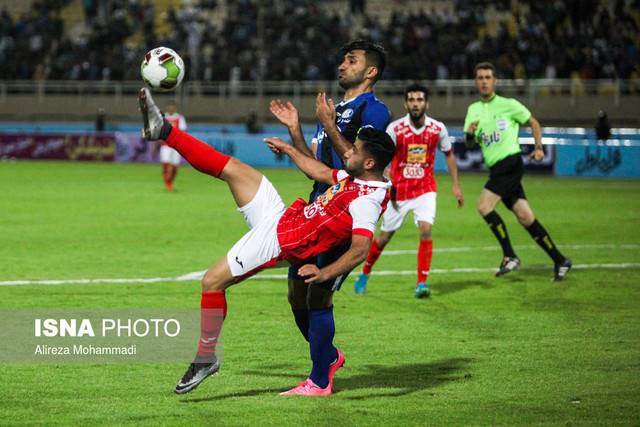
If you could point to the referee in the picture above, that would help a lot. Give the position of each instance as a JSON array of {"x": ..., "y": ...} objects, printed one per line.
[{"x": 493, "y": 123}]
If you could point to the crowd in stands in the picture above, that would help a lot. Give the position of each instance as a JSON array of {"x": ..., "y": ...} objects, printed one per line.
[{"x": 299, "y": 39}]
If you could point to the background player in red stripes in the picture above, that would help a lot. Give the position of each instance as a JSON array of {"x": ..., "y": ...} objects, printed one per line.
[
  {"x": 416, "y": 136},
  {"x": 169, "y": 157}
]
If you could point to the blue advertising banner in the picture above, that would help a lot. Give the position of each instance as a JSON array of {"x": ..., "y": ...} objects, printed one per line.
[{"x": 620, "y": 159}]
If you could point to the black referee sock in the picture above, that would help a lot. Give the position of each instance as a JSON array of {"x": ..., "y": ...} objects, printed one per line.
[
  {"x": 499, "y": 230},
  {"x": 542, "y": 238}
]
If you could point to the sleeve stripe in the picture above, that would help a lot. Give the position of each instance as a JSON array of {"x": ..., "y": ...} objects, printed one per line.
[{"x": 362, "y": 232}]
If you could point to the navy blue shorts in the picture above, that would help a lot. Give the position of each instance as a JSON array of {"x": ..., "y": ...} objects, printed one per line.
[{"x": 323, "y": 260}]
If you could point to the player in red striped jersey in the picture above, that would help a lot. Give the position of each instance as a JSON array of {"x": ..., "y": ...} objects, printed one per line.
[
  {"x": 346, "y": 212},
  {"x": 416, "y": 136}
]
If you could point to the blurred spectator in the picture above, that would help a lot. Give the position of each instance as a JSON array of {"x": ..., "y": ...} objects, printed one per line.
[
  {"x": 553, "y": 39},
  {"x": 253, "y": 124},
  {"x": 603, "y": 127},
  {"x": 100, "y": 120}
]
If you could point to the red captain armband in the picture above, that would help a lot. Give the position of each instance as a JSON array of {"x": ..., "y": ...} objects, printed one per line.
[{"x": 362, "y": 232}]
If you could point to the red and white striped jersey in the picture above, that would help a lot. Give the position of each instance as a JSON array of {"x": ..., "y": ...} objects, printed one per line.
[
  {"x": 412, "y": 165},
  {"x": 349, "y": 207}
]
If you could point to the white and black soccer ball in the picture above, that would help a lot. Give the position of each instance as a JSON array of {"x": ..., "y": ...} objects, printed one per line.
[{"x": 162, "y": 69}]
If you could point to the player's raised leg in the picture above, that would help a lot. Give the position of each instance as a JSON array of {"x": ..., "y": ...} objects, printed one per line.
[
  {"x": 243, "y": 180},
  {"x": 527, "y": 219},
  {"x": 486, "y": 208}
]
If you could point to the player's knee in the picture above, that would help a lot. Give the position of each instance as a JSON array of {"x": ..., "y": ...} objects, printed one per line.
[
  {"x": 319, "y": 298},
  {"x": 525, "y": 218},
  {"x": 211, "y": 282},
  {"x": 484, "y": 209}
]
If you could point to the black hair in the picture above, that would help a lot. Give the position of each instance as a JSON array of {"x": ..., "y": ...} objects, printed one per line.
[
  {"x": 379, "y": 144},
  {"x": 374, "y": 53},
  {"x": 416, "y": 87},
  {"x": 484, "y": 66}
]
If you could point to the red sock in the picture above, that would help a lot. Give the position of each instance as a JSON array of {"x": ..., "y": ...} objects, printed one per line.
[
  {"x": 374, "y": 253},
  {"x": 174, "y": 172},
  {"x": 425, "y": 250},
  {"x": 213, "y": 310},
  {"x": 165, "y": 173},
  {"x": 201, "y": 156}
]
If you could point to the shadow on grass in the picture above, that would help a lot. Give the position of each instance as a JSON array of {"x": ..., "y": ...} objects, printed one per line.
[
  {"x": 450, "y": 287},
  {"x": 543, "y": 272},
  {"x": 404, "y": 379}
]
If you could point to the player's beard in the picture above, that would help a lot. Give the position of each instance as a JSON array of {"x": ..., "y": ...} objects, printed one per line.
[
  {"x": 416, "y": 117},
  {"x": 352, "y": 82},
  {"x": 354, "y": 169}
]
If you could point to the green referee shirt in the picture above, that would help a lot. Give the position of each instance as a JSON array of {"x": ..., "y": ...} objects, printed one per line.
[{"x": 499, "y": 121}]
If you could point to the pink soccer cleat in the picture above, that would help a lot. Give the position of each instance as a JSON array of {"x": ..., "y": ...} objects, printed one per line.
[
  {"x": 308, "y": 388},
  {"x": 339, "y": 363}
]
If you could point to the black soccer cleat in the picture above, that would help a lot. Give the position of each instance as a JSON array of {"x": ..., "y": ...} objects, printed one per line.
[
  {"x": 561, "y": 270},
  {"x": 507, "y": 265},
  {"x": 196, "y": 373}
]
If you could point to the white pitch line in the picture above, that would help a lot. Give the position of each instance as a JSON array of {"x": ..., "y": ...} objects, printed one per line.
[
  {"x": 197, "y": 275},
  {"x": 496, "y": 247}
]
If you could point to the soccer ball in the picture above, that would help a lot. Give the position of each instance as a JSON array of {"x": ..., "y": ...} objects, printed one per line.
[{"x": 162, "y": 69}]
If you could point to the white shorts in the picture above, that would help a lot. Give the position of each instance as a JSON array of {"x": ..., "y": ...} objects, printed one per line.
[
  {"x": 423, "y": 207},
  {"x": 169, "y": 155},
  {"x": 259, "y": 248}
]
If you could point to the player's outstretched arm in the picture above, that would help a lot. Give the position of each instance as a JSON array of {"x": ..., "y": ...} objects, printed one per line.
[
  {"x": 452, "y": 167},
  {"x": 311, "y": 167},
  {"x": 347, "y": 262},
  {"x": 287, "y": 114}
]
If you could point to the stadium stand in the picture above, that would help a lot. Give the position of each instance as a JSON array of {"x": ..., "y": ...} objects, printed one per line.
[{"x": 219, "y": 40}]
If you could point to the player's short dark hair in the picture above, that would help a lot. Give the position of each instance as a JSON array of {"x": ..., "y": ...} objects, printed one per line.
[
  {"x": 484, "y": 66},
  {"x": 379, "y": 144},
  {"x": 374, "y": 54},
  {"x": 416, "y": 87}
]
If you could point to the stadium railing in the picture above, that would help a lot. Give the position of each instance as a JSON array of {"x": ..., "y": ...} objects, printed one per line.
[{"x": 529, "y": 90}]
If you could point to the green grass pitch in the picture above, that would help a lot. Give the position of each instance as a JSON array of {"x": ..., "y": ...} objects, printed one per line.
[{"x": 518, "y": 350}]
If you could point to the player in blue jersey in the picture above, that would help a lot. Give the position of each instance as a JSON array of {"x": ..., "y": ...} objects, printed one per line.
[{"x": 362, "y": 65}]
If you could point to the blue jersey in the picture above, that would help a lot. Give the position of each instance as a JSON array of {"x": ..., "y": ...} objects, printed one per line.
[{"x": 365, "y": 110}]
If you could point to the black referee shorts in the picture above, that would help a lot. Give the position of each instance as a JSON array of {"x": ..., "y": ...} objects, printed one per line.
[{"x": 505, "y": 179}]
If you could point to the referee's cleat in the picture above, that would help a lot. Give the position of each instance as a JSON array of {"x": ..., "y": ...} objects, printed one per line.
[
  {"x": 151, "y": 115},
  {"x": 508, "y": 265},
  {"x": 361, "y": 284},
  {"x": 196, "y": 373},
  {"x": 422, "y": 290},
  {"x": 561, "y": 269}
]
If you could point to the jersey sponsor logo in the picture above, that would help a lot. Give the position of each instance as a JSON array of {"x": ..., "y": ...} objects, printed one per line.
[
  {"x": 346, "y": 114},
  {"x": 330, "y": 193},
  {"x": 490, "y": 138},
  {"x": 413, "y": 171},
  {"x": 416, "y": 153}
]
